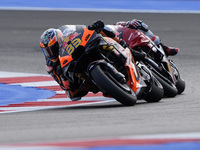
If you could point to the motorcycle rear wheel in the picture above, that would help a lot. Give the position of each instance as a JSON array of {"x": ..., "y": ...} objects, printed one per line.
[{"x": 109, "y": 85}]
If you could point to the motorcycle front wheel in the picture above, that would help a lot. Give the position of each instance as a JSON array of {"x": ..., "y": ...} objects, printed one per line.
[
  {"x": 170, "y": 89},
  {"x": 180, "y": 85},
  {"x": 156, "y": 93},
  {"x": 109, "y": 85}
]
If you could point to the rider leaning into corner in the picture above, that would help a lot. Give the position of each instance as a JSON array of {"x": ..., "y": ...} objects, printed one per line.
[
  {"x": 141, "y": 26},
  {"x": 52, "y": 39}
]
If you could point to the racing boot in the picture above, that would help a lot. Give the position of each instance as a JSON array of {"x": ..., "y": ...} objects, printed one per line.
[
  {"x": 170, "y": 51},
  {"x": 76, "y": 95}
]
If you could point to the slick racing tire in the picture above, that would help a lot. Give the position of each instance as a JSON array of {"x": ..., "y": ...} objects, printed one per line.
[
  {"x": 109, "y": 85},
  {"x": 156, "y": 93},
  {"x": 180, "y": 85},
  {"x": 170, "y": 89}
]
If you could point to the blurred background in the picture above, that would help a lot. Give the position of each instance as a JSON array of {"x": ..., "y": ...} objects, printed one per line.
[{"x": 176, "y": 22}]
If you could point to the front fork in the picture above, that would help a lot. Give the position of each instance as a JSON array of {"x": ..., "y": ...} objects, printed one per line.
[{"x": 164, "y": 63}]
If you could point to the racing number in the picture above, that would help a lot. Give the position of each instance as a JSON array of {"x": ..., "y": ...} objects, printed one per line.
[
  {"x": 73, "y": 45},
  {"x": 70, "y": 49}
]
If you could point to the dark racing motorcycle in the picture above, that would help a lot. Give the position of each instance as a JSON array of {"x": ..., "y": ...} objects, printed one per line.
[
  {"x": 161, "y": 66},
  {"x": 89, "y": 58}
]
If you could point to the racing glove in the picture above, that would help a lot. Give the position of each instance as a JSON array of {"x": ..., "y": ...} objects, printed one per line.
[
  {"x": 123, "y": 43},
  {"x": 53, "y": 68},
  {"x": 97, "y": 26},
  {"x": 138, "y": 56},
  {"x": 137, "y": 24}
]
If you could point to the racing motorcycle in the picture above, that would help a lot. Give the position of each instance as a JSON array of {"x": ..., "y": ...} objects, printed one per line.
[
  {"x": 161, "y": 66},
  {"x": 89, "y": 58}
]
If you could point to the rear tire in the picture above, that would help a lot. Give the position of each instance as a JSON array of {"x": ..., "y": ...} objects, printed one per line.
[{"x": 109, "y": 85}]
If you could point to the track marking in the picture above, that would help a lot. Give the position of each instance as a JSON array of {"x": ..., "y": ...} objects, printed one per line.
[
  {"x": 44, "y": 82},
  {"x": 176, "y": 141}
]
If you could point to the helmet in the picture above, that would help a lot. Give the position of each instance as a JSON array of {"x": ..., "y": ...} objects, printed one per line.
[{"x": 50, "y": 42}]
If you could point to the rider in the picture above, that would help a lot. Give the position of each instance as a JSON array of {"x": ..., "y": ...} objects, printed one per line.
[
  {"x": 141, "y": 26},
  {"x": 51, "y": 41}
]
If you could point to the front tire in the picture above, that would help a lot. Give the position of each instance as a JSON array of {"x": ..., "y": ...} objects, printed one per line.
[
  {"x": 170, "y": 90},
  {"x": 180, "y": 85},
  {"x": 156, "y": 93},
  {"x": 109, "y": 85}
]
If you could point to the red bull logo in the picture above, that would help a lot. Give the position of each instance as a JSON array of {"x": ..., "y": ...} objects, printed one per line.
[{"x": 68, "y": 38}]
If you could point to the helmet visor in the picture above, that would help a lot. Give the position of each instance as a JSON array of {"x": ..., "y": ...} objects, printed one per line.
[{"x": 52, "y": 51}]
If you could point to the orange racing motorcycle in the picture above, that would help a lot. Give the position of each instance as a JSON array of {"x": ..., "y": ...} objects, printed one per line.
[{"x": 89, "y": 58}]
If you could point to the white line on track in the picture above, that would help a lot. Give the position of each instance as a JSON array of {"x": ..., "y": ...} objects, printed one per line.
[
  {"x": 37, "y": 84},
  {"x": 96, "y": 98},
  {"x": 21, "y": 107},
  {"x": 24, "y": 109},
  {"x": 4, "y": 74}
]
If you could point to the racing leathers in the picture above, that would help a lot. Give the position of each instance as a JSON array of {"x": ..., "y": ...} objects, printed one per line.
[{"x": 74, "y": 92}]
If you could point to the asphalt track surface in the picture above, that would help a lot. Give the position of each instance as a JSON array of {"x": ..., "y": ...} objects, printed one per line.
[{"x": 19, "y": 51}]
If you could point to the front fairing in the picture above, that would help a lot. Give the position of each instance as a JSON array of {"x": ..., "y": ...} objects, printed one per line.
[
  {"x": 134, "y": 78},
  {"x": 78, "y": 42},
  {"x": 132, "y": 37},
  {"x": 73, "y": 36}
]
